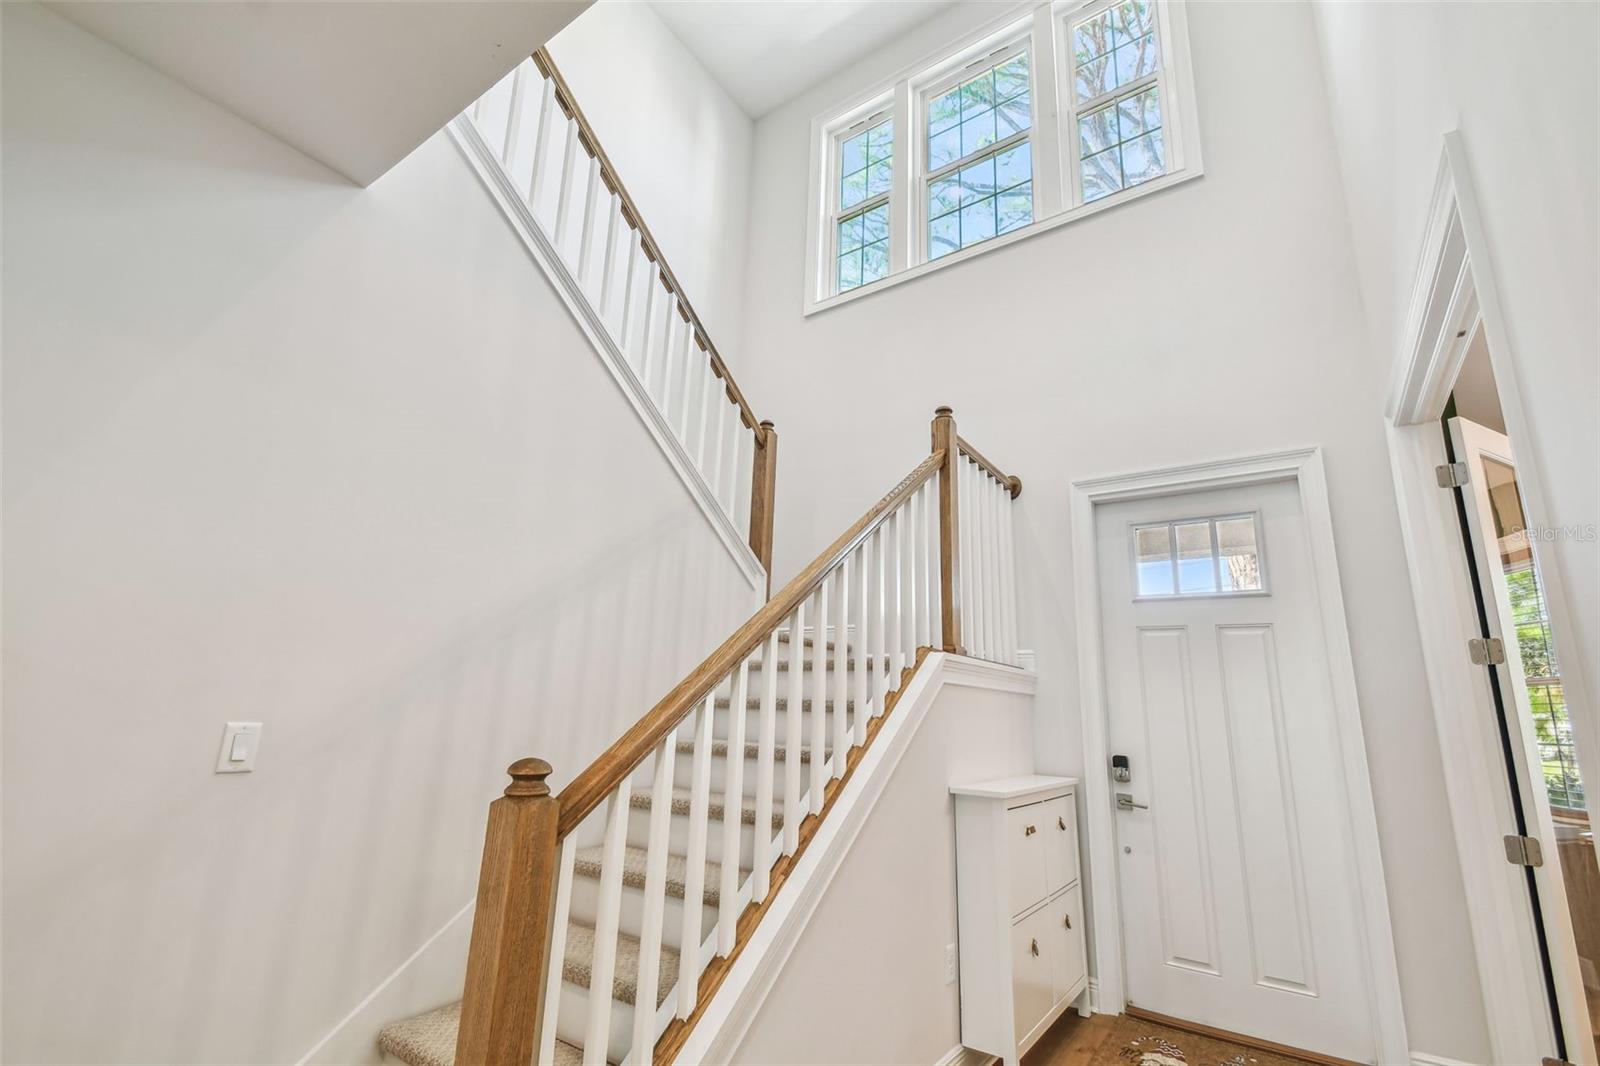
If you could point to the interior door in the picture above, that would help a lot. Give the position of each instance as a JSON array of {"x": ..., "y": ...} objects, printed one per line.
[
  {"x": 1240, "y": 906},
  {"x": 1540, "y": 743}
]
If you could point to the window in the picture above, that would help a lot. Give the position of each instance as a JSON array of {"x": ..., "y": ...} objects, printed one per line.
[
  {"x": 979, "y": 160},
  {"x": 866, "y": 172},
  {"x": 1044, "y": 116},
  {"x": 1198, "y": 557},
  {"x": 1116, "y": 99}
]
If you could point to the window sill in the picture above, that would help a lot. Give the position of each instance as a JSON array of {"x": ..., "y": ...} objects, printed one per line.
[{"x": 1060, "y": 219}]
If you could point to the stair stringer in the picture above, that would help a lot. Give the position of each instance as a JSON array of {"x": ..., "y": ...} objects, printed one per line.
[{"x": 737, "y": 1000}]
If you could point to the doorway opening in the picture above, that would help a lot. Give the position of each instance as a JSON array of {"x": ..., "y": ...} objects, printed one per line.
[{"x": 1515, "y": 731}]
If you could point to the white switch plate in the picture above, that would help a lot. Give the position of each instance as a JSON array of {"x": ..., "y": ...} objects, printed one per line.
[
  {"x": 240, "y": 740},
  {"x": 949, "y": 964}
]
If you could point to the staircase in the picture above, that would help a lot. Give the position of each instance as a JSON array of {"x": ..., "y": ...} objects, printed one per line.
[{"x": 642, "y": 884}]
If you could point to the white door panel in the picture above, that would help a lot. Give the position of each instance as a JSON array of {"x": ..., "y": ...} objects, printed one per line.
[{"x": 1239, "y": 894}]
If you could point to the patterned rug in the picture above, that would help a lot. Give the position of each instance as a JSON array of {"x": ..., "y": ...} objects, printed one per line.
[{"x": 1134, "y": 1042}]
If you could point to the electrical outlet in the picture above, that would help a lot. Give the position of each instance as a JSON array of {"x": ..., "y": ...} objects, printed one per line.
[{"x": 949, "y": 964}]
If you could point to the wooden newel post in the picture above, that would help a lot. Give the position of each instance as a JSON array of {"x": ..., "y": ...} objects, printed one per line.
[
  {"x": 763, "y": 481},
  {"x": 510, "y": 948},
  {"x": 944, "y": 438}
]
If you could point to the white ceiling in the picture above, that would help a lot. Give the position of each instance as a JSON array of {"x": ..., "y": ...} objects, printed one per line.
[
  {"x": 765, "y": 52},
  {"x": 356, "y": 86}
]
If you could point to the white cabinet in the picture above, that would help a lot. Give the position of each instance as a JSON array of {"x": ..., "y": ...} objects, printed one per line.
[{"x": 1020, "y": 910}]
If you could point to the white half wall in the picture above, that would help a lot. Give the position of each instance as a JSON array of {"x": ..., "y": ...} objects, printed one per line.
[
  {"x": 281, "y": 449},
  {"x": 681, "y": 145},
  {"x": 865, "y": 984},
  {"x": 1522, "y": 84},
  {"x": 1220, "y": 318}
]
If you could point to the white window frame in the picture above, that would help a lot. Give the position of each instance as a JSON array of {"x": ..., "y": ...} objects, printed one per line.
[
  {"x": 1216, "y": 559},
  {"x": 1171, "y": 116},
  {"x": 837, "y": 213},
  {"x": 990, "y": 55},
  {"x": 1053, "y": 135}
]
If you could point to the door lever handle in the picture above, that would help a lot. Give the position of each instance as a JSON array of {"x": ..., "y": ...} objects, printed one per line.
[{"x": 1125, "y": 803}]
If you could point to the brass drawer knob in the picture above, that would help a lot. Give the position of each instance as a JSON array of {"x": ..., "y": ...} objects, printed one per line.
[
  {"x": 1061, "y": 823},
  {"x": 1030, "y": 830},
  {"x": 1035, "y": 949},
  {"x": 1068, "y": 919}
]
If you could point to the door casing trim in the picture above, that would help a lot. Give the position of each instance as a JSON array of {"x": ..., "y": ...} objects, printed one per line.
[
  {"x": 1304, "y": 467},
  {"x": 1454, "y": 293}
]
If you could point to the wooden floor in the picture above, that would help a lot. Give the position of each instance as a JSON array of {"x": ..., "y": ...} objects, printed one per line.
[{"x": 1116, "y": 1040}]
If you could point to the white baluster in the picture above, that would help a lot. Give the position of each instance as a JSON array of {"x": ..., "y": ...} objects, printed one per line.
[
  {"x": 655, "y": 898},
  {"x": 792, "y": 734},
  {"x": 603, "y": 967},
  {"x": 558, "y": 947},
  {"x": 930, "y": 565},
  {"x": 608, "y": 271},
  {"x": 591, "y": 204},
  {"x": 732, "y": 814},
  {"x": 819, "y": 696},
  {"x": 974, "y": 539},
  {"x": 991, "y": 569},
  {"x": 761, "y": 876},
  {"x": 694, "y": 890},
  {"x": 630, "y": 293},
  {"x": 895, "y": 559},
  {"x": 906, "y": 524},
  {"x": 564, "y": 189},
  {"x": 652, "y": 281},
  {"x": 711, "y": 386},
  {"x": 547, "y": 105},
  {"x": 1011, "y": 580},
  {"x": 670, "y": 324},
  {"x": 841, "y": 665},
  {"x": 881, "y": 638},
  {"x": 719, "y": 416},
  {"x": 514, "y": 113},
  {"x": 685, "y": 382},
  {"x": 863, "y": 642},
  {"x": 734, "y": 443}
]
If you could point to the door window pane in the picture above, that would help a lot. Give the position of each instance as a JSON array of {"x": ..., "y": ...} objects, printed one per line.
[
  {"x": 1153, "y": 547},
  {"x": 1199, "y": 557},
  {"x": 1236, "y": 546}
]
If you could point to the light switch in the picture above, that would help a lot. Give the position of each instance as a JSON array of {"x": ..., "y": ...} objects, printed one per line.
[{"x": 239, "y": 743}]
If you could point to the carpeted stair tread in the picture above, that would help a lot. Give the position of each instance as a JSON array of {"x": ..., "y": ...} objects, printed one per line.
[
  {"x": 680, "y": 805},
  {"x": 625, "y": 981},
  {"x": 752, "y": 750},
  {"x": 430, "y": 1040},
  {"x": 634, "y": 860}
]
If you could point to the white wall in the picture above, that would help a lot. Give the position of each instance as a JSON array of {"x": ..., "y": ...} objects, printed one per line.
[
  {"x": 1220, "y": 318},
  {"x": 281, "y": 449},
  {"x": 681, "y": 145},
  {"x": 865, "y": 984},
  {"x": 1522, "y": 84}
]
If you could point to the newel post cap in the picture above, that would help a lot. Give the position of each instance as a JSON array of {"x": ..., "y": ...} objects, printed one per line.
[
  {"x": 1015, "y": 483},
  {"x": 528, "y": 778},
  {"x": 944, "y": 411}
]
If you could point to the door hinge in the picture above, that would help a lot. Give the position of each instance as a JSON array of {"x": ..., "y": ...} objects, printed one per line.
[
  {"x": 1524, "y": 851},
  {"x": 1451, "y": 475},
  {"x": 1486, "y": 651}
]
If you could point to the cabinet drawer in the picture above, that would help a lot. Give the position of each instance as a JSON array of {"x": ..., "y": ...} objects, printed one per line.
[
  {"x": 1058, "y": 825},
  {"x": 1032, "y": 978},
  {"x": 1025, "y": 850},
  {"x": 1067, "y": 961}
]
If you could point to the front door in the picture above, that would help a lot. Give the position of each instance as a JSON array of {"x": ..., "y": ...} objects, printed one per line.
[{"x": 1240, "y": 904}]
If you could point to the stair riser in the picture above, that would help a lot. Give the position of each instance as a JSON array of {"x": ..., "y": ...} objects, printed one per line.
[
  {"x": 574, "y": 1018},
  {"x": 684, "y": 768},
  {"x": 586, "y": 909},
  {"x": 639, "y": 837},
  {"x": 752, "y": 726}
]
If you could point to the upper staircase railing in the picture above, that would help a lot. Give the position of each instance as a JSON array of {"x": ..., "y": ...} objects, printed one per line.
[
  {"x": 811, "y": 675},
  {"x": 552, "y": 161}
]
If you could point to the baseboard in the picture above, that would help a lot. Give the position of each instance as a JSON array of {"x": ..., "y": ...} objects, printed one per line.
[
  {"x": 1094, "y": 996},
  {"x": 964, "y": 1056}
]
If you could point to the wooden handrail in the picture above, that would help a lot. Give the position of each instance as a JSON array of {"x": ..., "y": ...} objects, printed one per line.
[
  {"x": 652, "y": 248},
  {"x": 590, "y": 788},
  {"x": 1010, "y": 481}
]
